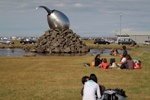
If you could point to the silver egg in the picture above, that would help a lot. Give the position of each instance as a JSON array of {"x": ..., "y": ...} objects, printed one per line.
[{"x": 56, "y": 19}]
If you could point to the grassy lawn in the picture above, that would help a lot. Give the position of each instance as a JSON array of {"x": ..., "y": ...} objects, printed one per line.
[{"x": 59, "y": 77}]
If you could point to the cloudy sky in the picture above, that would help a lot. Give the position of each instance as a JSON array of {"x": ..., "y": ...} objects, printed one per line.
[{"x": 88, "y": 18}]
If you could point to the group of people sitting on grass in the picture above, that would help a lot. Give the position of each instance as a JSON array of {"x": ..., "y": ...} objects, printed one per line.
[
  {"x": 91, "y": 90},
  {"x": 125, "y": 62}
]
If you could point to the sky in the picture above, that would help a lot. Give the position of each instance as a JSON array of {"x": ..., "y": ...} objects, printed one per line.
[{"x": 88, "y": 18}]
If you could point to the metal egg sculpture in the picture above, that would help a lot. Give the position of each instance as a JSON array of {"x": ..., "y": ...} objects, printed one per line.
[{"x": 56, "y": 19}]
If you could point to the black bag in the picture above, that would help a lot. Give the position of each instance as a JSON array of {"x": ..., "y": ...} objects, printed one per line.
[
  {"x": 114, "y": 94},
  {"x": 109, "y": 95},
  {"x": 120, "y": 92},
  {"x": 86, "y": 64}
]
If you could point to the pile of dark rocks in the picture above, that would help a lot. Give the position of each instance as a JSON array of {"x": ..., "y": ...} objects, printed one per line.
[{"x": 59, "y": 41}]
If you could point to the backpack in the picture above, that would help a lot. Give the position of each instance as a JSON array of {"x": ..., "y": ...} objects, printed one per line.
[
  {"x": 93, "y": 64},
  {"x": 114, "y": 94},
  {"x": 137, "y": 63},
  {"x": 109, "y": 95}
]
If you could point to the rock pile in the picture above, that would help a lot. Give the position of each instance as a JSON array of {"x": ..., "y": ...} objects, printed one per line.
[{"x": 59, "y": 41}]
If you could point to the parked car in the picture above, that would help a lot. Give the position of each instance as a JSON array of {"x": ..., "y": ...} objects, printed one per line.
[
  {"x": 126, "y": 40},
  {"x": 27, "y": 41},
  {"x": 101, "y": 41},
  {"x": 111, "y": 41},
  {"x": 4, "y": 41},
  {"x": 146, "y": 42}
]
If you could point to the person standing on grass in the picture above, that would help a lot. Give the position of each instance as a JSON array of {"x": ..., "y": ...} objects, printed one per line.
[
  {"x": 91, "y": 90},
  {"x": 125, "y": 52}
]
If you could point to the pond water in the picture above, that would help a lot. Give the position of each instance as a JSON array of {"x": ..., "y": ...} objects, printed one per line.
[
  {"x": 16, "y": 52},
  {"x": 12, "y": 52},
  {"x": 103, "y": 52}
]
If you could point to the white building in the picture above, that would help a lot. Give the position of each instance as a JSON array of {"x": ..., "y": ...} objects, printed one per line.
[{"x": 138, "y": 36}]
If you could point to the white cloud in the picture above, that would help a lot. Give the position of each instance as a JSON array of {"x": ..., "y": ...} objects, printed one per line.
[
  {"x": 128, "y": 31},
  {"x": 60, "y": 4},
  {"x": 78, "y": 5},
  {"x": 86, "y": 16}
]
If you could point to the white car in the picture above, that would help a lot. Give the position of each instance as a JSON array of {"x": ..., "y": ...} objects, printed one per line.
[
  {"x": 4, "y": 41},
  {"x": 146, "y": 42}
]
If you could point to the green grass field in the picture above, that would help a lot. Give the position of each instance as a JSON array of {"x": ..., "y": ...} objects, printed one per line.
[{"x": 59, "y": 77}]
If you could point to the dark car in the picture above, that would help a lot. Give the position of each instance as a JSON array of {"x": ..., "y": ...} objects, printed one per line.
[
  {"x": 126, "y": 41},
  {"x": 101, "y": 41},
  {"x": 27, "y": 41}
]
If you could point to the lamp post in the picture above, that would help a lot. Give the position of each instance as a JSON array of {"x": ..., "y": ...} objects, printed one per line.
[{"x": 120, "y": 23}]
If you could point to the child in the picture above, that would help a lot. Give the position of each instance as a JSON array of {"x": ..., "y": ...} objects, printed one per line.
[{"x": 104, "y": 64}]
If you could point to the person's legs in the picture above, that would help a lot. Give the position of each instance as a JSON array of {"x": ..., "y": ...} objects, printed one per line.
[
  {"x": 122, "y": 66},
  {"x": 98, "y": 66}
]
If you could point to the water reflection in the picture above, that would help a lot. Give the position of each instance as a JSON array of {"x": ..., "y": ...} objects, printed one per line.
[
  {"x": 20, "y": 52},
  {"x": 103, "y": 52},
  {"x": 12, "y": 52}
]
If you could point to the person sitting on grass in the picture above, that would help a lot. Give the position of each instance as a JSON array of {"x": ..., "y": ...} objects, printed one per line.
[
  {"x": 97, "y": 61},
  {"x": 91, "y": 90},
  {"x": 104, "y": 64},
  {"x": 129, "y": 62},
  {"x": 102, "y": 88},
  {"x": 122, "y": 63},
  {"x": 114, "y": 52},
  {"x": 83, "y": 80}
]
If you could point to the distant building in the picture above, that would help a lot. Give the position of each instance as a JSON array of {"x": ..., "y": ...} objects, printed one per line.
[{"x": 138, "y": 37}]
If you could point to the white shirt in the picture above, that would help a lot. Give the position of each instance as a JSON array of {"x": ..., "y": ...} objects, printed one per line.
[
  {"x": 90, "y": 90},
  {"x": 123, "y": 60}
]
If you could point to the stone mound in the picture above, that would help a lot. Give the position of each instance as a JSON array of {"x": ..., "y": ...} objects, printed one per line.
[{"x": 59, "y": 41}]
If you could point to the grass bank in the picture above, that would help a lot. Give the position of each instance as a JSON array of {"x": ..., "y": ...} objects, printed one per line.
[
  {"x": 59, "y": 77},
  {"x": 89, "y": 43}
]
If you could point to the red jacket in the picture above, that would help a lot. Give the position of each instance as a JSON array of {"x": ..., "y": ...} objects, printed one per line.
[{"x": 104, "y": 65}]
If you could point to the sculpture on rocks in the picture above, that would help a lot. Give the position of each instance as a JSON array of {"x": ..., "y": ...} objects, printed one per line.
[
  {"x": 59, "y": 38},
  {"x": 56, "y": 19}
]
